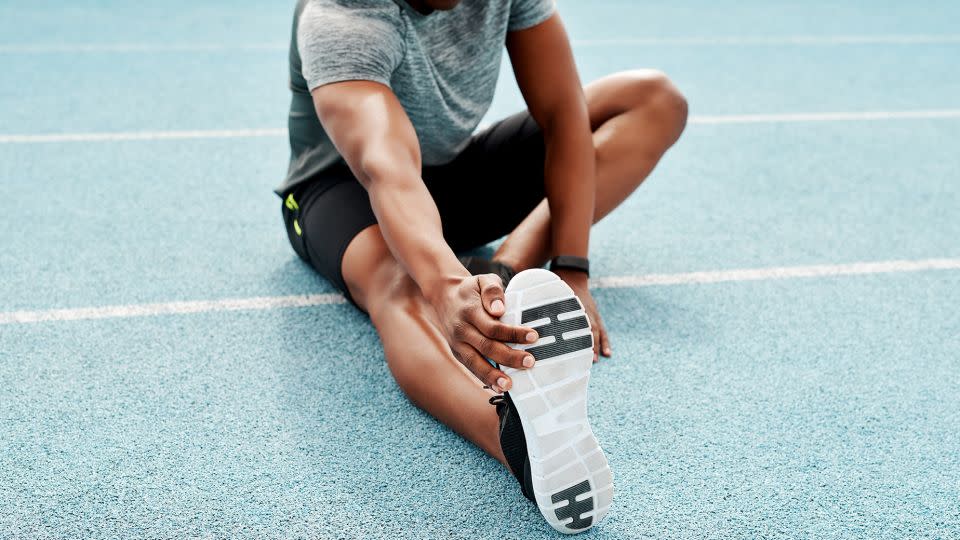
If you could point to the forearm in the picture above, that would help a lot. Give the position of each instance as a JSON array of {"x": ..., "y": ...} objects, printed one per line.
[
  {"x": 411, "y": 226},
  {"x": 372, "y": 132},
  {"x": 547, "y": 75},
  {"x": 569, "y": 178}
]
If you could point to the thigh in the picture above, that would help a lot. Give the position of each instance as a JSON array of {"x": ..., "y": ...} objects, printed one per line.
[
  {"x": 506, "y": 159},
  {"x": 323, "y": 217},
  {"x": 624, "y": 91}
]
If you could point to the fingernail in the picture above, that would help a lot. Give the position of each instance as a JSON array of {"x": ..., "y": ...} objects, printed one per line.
[
  {"x": 607, "y": 351},
  {"x": 496, "y": 305},
  {"x": 527, "y": 361},
  {"x": 531, "y": 337},
  {"x": 503, "y": 383}
]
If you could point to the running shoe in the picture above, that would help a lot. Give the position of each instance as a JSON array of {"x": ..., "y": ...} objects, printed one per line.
[
  {"x": 544, "y": 431},
  {"x": 480, "y": 265}
]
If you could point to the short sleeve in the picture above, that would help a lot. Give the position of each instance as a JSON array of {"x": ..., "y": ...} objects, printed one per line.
[
  {"x": 527, "y": 13},
  {"x": 359, "y": 40}
]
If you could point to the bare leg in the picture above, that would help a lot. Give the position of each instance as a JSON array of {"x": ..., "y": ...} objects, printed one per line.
[
  {"x": 635, "y": 116},
  {"x": 417, "y": 353}
]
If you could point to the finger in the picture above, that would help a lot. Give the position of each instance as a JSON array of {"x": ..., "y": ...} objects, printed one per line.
[
  {"x": 500, "y": 353},
  {"x": 491, "y": 293},
  {"x": 605, "y": 342},
  {"x": 481, "y": 369},
  {"x": 596, "y": 340},
  {"x": 496, "y": 330}
]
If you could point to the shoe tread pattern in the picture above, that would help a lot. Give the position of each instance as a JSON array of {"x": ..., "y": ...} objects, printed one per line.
[{"x": 570, "y": 475}]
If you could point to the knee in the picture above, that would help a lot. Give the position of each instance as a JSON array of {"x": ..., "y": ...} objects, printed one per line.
[
  {"x": 391, "y": 289},
  {"x": 373, "y": 276},
  {"x": 654, "y": 91}
]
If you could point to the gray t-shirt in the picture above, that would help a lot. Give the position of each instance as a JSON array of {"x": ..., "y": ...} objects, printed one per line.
[{"x": 443, "y": 68}]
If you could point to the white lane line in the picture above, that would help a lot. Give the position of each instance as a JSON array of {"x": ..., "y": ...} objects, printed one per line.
[
  {"x": 171, "y": 308},
  {"x": 784, "y": 272},
  {"x": 108, "y": 136},
  {"x": 648, "y": 280},
  {"x": 39, "y": 48},
  {"x": 855, "y": 116},
  {"x": 853, "y": 39},
  {"x": 878, "y": 39},
  {"x": 776, "y": 118}
]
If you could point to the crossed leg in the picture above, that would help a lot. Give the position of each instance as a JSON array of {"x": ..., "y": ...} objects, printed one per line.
[{"x": 635, "y": 117}]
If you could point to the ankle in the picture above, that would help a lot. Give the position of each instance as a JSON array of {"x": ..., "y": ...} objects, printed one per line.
[
  {"x": 520, "y": 257},
  {"x": 517, "y": 264}
]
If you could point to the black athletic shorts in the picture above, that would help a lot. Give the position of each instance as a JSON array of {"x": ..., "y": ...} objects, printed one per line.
[{"x": 323, "y": 215}]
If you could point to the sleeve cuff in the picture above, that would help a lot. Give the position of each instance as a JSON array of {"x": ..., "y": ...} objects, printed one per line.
[{"x": 533, "y": 18}]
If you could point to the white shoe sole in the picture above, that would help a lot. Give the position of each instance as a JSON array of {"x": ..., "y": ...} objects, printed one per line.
[{"x": 572, "y": 482}]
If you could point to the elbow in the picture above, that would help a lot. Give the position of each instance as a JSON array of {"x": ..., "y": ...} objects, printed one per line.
[
  {"x": 372, "y": 171},
  {"x": 380, "y": 165},
  {"x": 567, "y": 116}
]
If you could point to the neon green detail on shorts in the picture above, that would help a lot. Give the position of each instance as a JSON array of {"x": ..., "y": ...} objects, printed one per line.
[
  {"x": 296, "y": 227},
  {"x": 291, "y": 203}
]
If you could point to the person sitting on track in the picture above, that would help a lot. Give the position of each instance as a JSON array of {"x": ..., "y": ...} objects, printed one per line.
[{"x": 389, "y": 178}]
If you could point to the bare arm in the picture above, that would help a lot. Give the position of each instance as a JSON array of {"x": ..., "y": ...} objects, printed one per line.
[
  {"x": 374, "y": 135},
  {"x": 547, "y": 75}
]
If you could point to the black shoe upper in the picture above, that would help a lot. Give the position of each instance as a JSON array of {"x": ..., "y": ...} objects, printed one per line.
[
  {"x": 513, "y": 443},
  {"x": 479, "y": 265}
]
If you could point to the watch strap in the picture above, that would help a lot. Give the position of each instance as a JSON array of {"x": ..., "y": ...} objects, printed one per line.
[{"x": 570, "y": 262}]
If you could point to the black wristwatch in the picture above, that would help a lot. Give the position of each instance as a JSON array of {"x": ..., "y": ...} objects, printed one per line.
[{"x": 569, "y": 262}]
